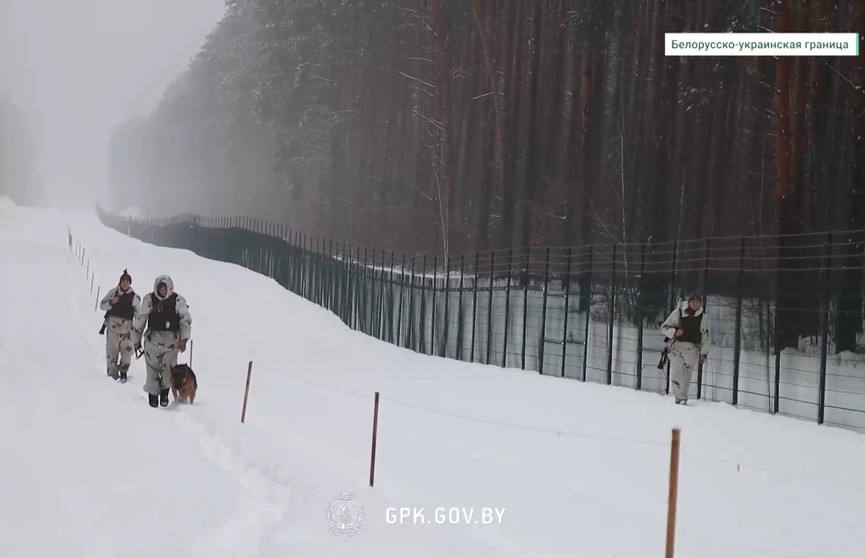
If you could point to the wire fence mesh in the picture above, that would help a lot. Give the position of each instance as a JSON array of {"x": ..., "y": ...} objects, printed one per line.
[{"x": 785, "y": 312}]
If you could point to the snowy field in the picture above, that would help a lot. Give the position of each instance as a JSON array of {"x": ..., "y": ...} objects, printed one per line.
[{"x": 89, "y": 470}]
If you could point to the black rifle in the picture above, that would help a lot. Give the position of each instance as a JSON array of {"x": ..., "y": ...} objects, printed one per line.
[
  {"x": 665, "y": 358},
  {"x": 105, "y": 317}
]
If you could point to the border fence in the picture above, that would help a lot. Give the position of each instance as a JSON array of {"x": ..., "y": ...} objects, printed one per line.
[{"x": 785, "y": 312}]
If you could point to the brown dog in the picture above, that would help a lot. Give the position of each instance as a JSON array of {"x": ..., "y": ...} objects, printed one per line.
[{"x": 184, "y": 384}]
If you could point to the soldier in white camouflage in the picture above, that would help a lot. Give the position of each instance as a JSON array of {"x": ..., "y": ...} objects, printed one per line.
[
  {"x": 688, "y": 341},
  {"x": 121, "y": 305},
  {"x": 169, "y": 326}
]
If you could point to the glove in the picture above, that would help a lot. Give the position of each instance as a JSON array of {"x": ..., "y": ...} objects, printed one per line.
[
  {"x": 703, "y": 358},
  {"x": 181, "y": 344}
]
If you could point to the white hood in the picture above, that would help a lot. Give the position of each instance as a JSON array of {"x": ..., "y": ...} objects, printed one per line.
[{"x": 168, "y": 283}]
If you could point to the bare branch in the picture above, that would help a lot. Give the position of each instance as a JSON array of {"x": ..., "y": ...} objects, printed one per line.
[
  {"x": 430, "y": 120},
  {"x": 855, "y": 87},
  {"x": 418, "y": 80},
  {"x": 421, "y": 192}
]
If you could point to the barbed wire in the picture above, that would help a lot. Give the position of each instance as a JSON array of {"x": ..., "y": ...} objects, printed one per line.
[
  {"x": 715, "y": 243},
  {"x": 258, "y": 365},
  {"x": 557, "y": 432},
  {"x": 740, "y": 464}
]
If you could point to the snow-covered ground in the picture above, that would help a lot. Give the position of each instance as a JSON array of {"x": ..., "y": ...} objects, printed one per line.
[{"x": 580, "y": 469}]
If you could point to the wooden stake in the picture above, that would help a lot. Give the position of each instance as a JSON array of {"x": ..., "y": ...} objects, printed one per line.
[
  {"x": 96, "y": 305},
  {"x": 674, "y": 493},
  {"x": 246, "y": 392},
  {"x": 374, "y": 435},
  {"x": 190, "y": 352}
]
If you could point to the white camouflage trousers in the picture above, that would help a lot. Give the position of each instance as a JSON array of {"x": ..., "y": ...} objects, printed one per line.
[
  {"x": 684, "y": 358},
  {"x": 118, "y": 347},
  {"x": 160, "y": 354}
]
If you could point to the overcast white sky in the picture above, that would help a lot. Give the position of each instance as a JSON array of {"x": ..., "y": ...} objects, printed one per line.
[{"x": 79, "y": 67}]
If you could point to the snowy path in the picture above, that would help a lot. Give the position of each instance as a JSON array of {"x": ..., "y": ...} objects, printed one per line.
[
  {"x": 92, "y": 470},
  {"x": 88, "y": 469}
]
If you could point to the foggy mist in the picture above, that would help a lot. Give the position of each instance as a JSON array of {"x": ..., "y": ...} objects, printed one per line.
[{"x": 77, "y": 69}]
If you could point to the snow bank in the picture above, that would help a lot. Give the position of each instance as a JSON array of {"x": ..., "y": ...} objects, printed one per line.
[{"x": 580, "y": 469}]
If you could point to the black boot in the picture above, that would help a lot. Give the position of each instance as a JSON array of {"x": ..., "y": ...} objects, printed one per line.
[
  {"x": 163, "y": 397},
  {"x": 154, "y": 400}
]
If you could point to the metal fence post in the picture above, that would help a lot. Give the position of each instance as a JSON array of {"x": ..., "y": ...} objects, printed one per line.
[
  {"x": 612, "y": 319},
  {"x": 542, "y": 349},
  {"x": 475, "y": 304},
  {"x": 319, "y": 275},
  {"x": 460, "y": 311},
  {"x": 354, "y": 290},
  {"x": 588, "y": 315},
  {"x": 423, "y": 308},
  {"x": 567, "y": 288},
  {"x": 527, "y": 278},
  {"x": 313, "y": 269},
  {"x": 373, "y": 298},
  {"x": 367, "y": 280},
  {"x": 292, "y": 261},
  {"x": 341, "y": 296},
  {"x": 446, "y": 286},
  {"x": 640, "y": 318},
  {"x": 331, "y": 272},
  {"x": 351, "y": 296},
  {"x": 824, "y": 327},
  {"x": 321, "y": 271},
  {"x": 339, "y": 287},
  {"x": 410, "y": 328},
  {"x": 303, "y": 269},
  {"x": 507, "y": 309},
  {"x": 347, "y": 267},
  {"x": 376, "y": 278},
  {"x": 379, "y": 316},
  {"x": 705, "y": 300},
  {"x": 432, "y": 340},
  {"x": 777, "y": 402},
  {"x": 490, "y": 308},
  {"x": 390, "y": 291},
  {"x": 316, "y": 271},
  {"x": 737, "y": 349},
  {"x": 399, "y": 336}
]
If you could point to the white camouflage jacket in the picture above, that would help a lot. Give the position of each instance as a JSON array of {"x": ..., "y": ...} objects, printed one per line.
[
  {"x": 672, "y": 323},
  {"x": 147, "y": 306}
]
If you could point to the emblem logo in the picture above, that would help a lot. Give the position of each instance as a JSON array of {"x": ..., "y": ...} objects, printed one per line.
[{"x": 345, "y": 516}]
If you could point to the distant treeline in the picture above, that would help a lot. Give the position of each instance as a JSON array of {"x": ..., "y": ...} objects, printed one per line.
[{"x": 441, "y": 126}]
